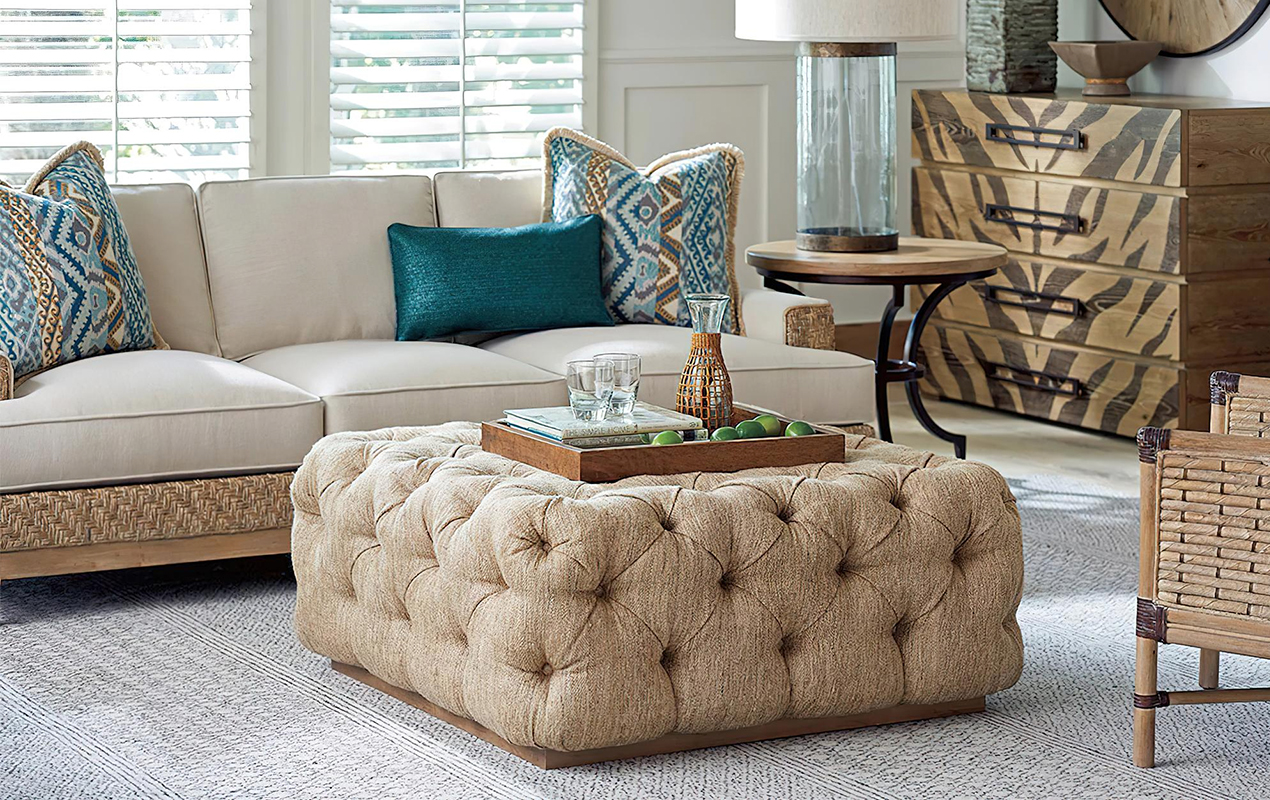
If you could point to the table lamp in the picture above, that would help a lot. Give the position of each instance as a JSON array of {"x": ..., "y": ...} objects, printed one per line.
[{"x": 846, "y": 108}]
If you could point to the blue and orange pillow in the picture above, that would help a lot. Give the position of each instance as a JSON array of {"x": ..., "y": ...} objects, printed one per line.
[
  {"x": 668, "y": 229},
  {"x": 70, "y": 287}
]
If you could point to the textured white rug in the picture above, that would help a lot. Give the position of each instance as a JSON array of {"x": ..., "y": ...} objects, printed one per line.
[{"x": 186, "y": 682}]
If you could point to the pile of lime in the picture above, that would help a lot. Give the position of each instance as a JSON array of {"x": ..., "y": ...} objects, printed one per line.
[{"x": 760, "y": 427}]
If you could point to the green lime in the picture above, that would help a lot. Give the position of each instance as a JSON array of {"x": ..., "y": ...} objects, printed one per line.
[
  {"x": 668, "y": 437},
  {"x": 724, "y": 434},
  {"x": 799, "y": 428},
  {"x": 751, "y": 429},
  {"x": 646, "y": 437},
  {"x": 770, "y": 424}
]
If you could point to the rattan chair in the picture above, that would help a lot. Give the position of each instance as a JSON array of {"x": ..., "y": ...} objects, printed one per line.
[{"x": 1204, "y": 567}]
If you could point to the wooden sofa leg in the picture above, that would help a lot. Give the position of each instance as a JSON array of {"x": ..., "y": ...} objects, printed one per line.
[
  {"x": 1145, "y": 701},
  {"x": 1209, "y": 668}
]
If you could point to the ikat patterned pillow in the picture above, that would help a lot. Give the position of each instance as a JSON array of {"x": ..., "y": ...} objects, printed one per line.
[
  {"x": 668, "y": 229},
  {"x": 69, "y": 283}
]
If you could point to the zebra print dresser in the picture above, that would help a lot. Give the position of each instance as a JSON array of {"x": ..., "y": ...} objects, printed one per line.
[{"x": 1139, "y": 231}]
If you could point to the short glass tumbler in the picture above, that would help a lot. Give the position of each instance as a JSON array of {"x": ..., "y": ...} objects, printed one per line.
[
  {"x": 590, "y": 385},
  {"x": 626, "y": 369}
]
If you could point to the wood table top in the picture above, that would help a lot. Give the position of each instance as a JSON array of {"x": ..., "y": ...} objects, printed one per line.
[{"x": 917, "y": 260}]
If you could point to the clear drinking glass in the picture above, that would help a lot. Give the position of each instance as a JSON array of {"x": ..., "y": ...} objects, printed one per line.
[
  {"x": 590, "y": 388},
  {"x": 626, "y": 369}
]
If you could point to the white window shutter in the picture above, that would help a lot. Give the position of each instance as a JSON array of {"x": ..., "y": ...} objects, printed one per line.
[
  {"x": 160, "y": 86},
  {"x": 451, "y": 83}
]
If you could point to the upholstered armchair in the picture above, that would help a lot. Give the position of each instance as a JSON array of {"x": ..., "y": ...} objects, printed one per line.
[
  {"x": 788, "y": 319},
  {"x": 1204, "y": 568}
]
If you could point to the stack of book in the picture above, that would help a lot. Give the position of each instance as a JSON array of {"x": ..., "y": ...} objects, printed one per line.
[{"x": 646, "y": 421}]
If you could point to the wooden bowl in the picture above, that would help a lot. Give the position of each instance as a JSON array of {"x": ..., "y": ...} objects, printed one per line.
[{"x": 1106, "y": 66}]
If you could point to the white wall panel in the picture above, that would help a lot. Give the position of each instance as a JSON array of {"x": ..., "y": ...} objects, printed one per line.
[
  {"x": 669, "y": 74},
  {"x": 673, "y": 76}
]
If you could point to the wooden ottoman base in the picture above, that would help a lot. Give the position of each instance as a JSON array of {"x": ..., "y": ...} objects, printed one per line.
[{"x": 674, "y": 743}]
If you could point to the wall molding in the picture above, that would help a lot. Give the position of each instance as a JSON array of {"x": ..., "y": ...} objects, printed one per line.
[
  {"x": 912, "y": 66},
  {"x": 678, "y": 55}
]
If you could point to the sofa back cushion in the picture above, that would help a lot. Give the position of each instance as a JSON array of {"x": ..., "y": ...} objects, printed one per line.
[
  {"x": 300, "y": 260},
  {"x": 493, "y": 199},
  {"x": 162, "y": 224}
]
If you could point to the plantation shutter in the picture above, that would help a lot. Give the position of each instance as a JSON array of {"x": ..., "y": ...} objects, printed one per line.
[
  {"x": 160, "y": 86},
  {"x": 451, "y": 83}
]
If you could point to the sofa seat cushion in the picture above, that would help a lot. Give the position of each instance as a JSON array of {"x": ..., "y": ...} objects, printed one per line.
[
  {"x": 372, "y": 384},
  {"x": 151, "y": 415},
  {"x": 816, "y": 385}
]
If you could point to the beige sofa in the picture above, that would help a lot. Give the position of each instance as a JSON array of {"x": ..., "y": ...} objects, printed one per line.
[{"x": 276, "y": 297}]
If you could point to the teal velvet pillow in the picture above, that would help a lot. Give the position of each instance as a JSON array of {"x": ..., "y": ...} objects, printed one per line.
[{"x": 485, "y": 280}]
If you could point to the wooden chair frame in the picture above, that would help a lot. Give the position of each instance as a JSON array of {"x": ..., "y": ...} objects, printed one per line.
[{"x": 1192, "y": 532}]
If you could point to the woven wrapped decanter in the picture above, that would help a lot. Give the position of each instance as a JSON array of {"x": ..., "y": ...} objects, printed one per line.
[{"x": 705, "y": 390}]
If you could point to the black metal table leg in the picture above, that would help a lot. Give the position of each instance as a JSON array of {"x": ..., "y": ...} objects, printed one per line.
[
  {"x": 915, "y": 401},
  {"x": 882, "y": 372}
]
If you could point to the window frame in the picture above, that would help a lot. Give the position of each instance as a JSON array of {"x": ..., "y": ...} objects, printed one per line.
[
  {"x": 289, "y": 98},
  {"x": 317, "y": 127},
  {"x": 257, "y": 20}
]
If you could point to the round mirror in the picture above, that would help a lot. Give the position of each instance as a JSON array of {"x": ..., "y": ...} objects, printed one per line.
[{"x": 1185, "y": 27}]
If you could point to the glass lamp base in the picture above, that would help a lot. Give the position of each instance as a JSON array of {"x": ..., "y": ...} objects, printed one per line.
[
  {"x": 846, "y": 240},
  {"x": 846, "y": 147}
]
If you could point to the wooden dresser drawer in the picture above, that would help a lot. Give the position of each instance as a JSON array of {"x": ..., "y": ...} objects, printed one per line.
[
  {"x": 1115, "y": 227},
  {"x": 1077, "y": 387},
  {"x": 1069, "y": 304},
  {"x": 1113, "y": 141}
]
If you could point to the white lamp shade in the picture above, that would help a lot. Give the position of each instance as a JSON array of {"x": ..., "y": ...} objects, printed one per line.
[{"x": 846, "y": 20}]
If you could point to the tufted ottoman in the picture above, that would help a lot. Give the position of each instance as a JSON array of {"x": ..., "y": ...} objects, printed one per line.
[{"x": 571, "y": 622}]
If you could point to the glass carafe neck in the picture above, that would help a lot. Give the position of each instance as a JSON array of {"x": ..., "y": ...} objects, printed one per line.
[{"x": 707, "y": 311}]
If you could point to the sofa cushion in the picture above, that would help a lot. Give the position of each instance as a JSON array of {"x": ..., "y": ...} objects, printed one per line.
[
  {"x": 370, "y": 384},
  {"x": 299, "y": 260},
  {"x": 162, "y": 224},
  {"x": 69, "y": 283},
  {"x": 76, "y": 176},
  {"x": 816, "y": 385},
  {"x": 528, "y": 278},
  {"x": 468, "y": 199},
  {"x": 151, "y": 415},
  {"x": 668, "y": 229}
]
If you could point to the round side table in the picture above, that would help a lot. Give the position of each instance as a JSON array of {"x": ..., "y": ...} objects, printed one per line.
[{"x": 947, "y": 263}]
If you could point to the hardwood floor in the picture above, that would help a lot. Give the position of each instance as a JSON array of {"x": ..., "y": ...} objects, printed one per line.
[{"x": 1016, "y": 446}]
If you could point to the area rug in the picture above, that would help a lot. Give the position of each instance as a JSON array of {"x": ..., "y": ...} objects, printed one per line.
[{"x": 186, "y": 682}]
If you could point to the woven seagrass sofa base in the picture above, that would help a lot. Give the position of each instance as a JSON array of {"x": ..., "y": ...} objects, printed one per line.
[
  {"x": 114, "y": 527},
  {"x": 569, "y": 622}
]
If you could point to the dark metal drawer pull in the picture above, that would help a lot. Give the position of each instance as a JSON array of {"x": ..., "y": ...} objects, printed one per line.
[
  {"x": 1068, "y": 139},
  {"x": 1050, "y": 303},
  {"x": 1031, "y": 379},
  {"x": 1010, "y": 215}
]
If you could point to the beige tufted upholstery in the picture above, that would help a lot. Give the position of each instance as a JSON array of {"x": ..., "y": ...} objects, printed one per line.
[{"x": 569, "y": 616}]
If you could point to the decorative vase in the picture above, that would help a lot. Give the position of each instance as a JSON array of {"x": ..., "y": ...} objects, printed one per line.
[
  {"x": 705, "y": 390},
  {"x": 1007, "y": 45}
]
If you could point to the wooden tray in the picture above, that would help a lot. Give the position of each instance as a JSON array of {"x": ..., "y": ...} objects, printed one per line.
[{"x": 604, "y": 464}]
